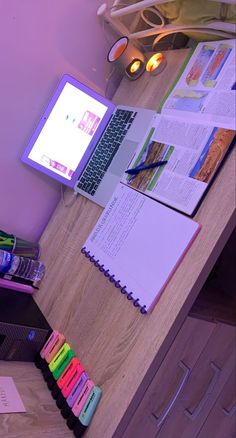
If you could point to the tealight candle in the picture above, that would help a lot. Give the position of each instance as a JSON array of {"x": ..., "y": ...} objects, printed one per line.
[
  {"x": 135, "y": 66},
  {"x": 127, "y": 57},
  {"x": 135, "y": 69},
  {"x": 156, "y": 64}
]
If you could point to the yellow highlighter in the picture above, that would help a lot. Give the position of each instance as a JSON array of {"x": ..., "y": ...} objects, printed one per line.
[{"x": 59, "y": 356}]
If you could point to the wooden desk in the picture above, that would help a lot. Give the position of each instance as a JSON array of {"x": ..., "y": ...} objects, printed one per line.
[{"x": 119, "y": 348}]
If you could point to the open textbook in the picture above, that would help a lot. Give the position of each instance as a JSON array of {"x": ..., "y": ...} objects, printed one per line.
[{"x": 194, "y": 131}]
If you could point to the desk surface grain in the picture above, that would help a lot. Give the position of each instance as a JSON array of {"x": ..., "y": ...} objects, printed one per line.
[{"x": 119, "y": 348}]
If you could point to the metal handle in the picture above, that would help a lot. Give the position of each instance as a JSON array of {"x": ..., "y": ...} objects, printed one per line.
[
  {"x": 194, "y": 414},
  {"x": 162, "y": 417},
  {"x": 231, "y": 411}
]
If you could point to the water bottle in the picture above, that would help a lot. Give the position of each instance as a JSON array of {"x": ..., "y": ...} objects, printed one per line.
[
  {"x": 5, "y": 261},
  {"x": 22, "y": 267}
]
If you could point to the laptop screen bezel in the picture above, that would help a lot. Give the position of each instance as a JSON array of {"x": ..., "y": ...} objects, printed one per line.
[{"x": 79, "y": 169}]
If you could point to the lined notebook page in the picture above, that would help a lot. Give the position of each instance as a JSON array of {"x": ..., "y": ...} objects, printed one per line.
[{"x": 140, "y": 242}]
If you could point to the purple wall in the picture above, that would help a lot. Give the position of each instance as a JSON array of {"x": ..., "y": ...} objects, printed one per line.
[{"x": 39, "y": 42}]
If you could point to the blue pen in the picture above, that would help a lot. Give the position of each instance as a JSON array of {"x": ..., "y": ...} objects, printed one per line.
[{"x": 145, "y": 167}]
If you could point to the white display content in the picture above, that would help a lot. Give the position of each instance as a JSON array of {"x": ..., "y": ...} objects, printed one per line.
[{"x": 68, "y": 131}]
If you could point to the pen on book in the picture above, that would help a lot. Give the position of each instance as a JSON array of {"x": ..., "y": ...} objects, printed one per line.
[{"x": 138, "y": 169}]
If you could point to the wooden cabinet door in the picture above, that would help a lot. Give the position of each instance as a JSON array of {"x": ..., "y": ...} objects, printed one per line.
[
  {"x": 170, "y": 379},
  {"x": 205, "y": 383},
  {"x": 221, "y": 422}
]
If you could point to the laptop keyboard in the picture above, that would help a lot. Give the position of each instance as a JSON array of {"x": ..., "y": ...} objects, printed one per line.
[{"x": 105, "y": 150}]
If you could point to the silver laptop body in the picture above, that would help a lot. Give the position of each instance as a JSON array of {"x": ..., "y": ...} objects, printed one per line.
[{"x": 137, "y": 133}]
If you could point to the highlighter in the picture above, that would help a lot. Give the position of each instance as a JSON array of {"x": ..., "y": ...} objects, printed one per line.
[
  {"x": 39, "y": 360},
  {"x": 48, "y": 374},
  {"x": 50, "y": 352},
  {"x": 64, "y": 377},
  {"x": 65, "y": 360},
  {"x": 87, "y": 412},
  {"x": 72, "y": 397},
  {"x": 69, "y": 384},
  {"x": 54, "y": 346},
  {"x": 79, "y": 404},
  {"x": 73, "y": 379},
  {"x": 50, "y": 342},
  {"x": 73, "y": 366},
  {"x": 59, "y": 357}
]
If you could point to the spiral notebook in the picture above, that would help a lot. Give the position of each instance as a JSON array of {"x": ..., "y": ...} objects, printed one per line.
[{"x": 138, "y": 243}]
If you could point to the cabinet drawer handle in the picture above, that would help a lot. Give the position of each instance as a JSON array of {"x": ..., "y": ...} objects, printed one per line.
[
  {"x": 193, "y": 414},
  {"x": 162, "y": 417},
  {"x": 230, "y": 411}
]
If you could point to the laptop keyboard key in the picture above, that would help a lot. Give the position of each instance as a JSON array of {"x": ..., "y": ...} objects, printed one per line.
[{"x": 105, "y": 150}]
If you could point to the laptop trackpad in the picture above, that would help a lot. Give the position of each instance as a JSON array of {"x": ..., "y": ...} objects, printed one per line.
[{"x": 123, "y": 157}]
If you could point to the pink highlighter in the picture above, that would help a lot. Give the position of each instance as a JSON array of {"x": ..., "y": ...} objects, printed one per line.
[
  {"x": 49, "y": 350},
  {"x": 72, "y": 381},
  {"x": 79, "y": 404},
  {"x": 71, "y": 369},
  {"x": 48, "y": 345},
  {"x": 54, "y": 347},
  {"x": 65, "y": 404}
]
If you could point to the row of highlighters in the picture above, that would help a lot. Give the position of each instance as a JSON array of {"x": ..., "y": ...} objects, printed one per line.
[{"x": 75, "y": 393}]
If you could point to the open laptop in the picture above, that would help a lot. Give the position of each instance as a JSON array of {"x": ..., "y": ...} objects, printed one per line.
[{"x": 86, "y": 142}]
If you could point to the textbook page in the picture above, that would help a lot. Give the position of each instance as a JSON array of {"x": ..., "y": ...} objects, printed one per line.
[
  {"x": 206, "y": 89},
  {"x": 138, "y": 243},
  {"x": 194, "y": 152}
]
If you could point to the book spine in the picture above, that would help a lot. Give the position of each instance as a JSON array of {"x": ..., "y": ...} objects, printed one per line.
[
  {"x": 20, "y": 287},
  {"x": 18, "y": 280},
  {"x": 112, "y": 279}
]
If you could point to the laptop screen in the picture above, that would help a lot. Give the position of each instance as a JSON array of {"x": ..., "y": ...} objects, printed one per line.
[{"x": 68, "y": 131}]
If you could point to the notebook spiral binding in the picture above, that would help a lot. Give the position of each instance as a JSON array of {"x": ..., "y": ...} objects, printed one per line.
[{"x": 111, "y": 277}]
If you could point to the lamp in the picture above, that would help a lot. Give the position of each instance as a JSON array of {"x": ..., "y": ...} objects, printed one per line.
[
  {"x": 156, "y": 64},
  {"x": 127, "y": 58}
]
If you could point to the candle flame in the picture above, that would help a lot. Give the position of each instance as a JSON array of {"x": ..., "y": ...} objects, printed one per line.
[
  {"x": 135, "y": 66},
  {"x": 154, "y": 61}
]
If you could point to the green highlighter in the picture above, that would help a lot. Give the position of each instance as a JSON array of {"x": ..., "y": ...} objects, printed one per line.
[
  {"x": 59, "y": 356},
  {"x": 61, "y": 360},
  {"x": 63, "y": 363}
]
